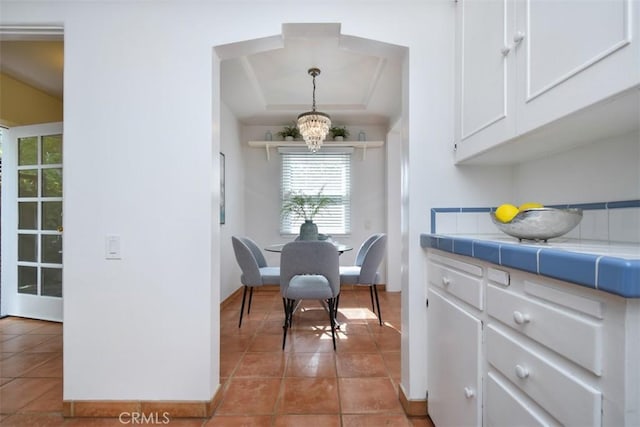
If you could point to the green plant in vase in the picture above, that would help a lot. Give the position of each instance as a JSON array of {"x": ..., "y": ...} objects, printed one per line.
[
  {"x": 305, "y": 206},
  {"x": 339, "y": 133},
  {"x": 289, "y": 132}
]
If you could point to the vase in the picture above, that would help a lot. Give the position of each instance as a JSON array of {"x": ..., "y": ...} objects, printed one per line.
[
  {"x": 308, "y": 230},
  {"x": 338, "y": 138},
  {"x": 288, "y": 138}
]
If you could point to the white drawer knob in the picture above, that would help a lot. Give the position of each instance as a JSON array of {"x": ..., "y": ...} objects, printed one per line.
[
  {"x": 446, "y": 281},
  {"x": 522, "y": 372},
  {"x": 468, "y": 392},
  {"x": 517, "y": 37},
  {"x": 521, "y": 318}
]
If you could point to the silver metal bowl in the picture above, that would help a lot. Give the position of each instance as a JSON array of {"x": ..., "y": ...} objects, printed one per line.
[{"x": 540, "y": 223}]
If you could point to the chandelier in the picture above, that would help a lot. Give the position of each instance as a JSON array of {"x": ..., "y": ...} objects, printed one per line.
[{"x": 314, "y": 125}]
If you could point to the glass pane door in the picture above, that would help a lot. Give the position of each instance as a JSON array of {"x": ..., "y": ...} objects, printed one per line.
[
  {"x": 32, "y": 234},
  {"x": 40, "y": 215}
]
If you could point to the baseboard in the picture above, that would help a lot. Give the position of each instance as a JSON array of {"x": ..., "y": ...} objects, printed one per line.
[
  {"x": 413, "y": 408},
  {"x": 151, "y": 412}
]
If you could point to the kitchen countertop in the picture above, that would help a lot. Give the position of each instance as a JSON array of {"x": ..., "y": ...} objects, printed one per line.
[{"x": 606, "y": 266}]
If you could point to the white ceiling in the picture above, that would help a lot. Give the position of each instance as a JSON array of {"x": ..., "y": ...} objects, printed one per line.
[{"x": 265, "y": 81}]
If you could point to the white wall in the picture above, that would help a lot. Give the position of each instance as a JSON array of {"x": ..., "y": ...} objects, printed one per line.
[
  {"x": 604, "y": 171},
  {"x": 235, "y": 170}
]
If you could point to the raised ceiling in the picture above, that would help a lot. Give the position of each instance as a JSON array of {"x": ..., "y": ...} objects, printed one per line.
[{"x": 265, "y": 81}]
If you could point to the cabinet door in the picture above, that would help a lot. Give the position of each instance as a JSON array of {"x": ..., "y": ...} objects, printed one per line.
[
  {"x": 572, "y": 55},
  {"x": 454, "y": 381},
  {"x": 484, "y": 75}
]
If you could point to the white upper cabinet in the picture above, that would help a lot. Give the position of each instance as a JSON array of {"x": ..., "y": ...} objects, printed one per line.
[{"x": 525, "y": 64}]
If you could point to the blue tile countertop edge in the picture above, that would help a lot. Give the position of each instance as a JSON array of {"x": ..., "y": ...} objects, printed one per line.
[{"x": 610, "y": 274}]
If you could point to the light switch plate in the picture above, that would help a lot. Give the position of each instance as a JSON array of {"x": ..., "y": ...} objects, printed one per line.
[{"x": 113, "y": 248}]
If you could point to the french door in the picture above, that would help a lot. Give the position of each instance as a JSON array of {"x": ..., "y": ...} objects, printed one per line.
[{"x": 32, "y": 222}]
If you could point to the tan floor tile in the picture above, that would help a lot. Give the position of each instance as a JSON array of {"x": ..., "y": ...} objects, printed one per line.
[
  {"x": 21, "y": 391},
  {"x": 234, "y": 344},
  {"x": 228, "y": 363},
  {"x": 368, "y": 395},
  {"x": 52, "y": 368},
  {"x": 261, "y": 365},
  {"x": 34, "y": 420},
  {"x": 314, "y": 420},
  {"x": 311, "y": 342},
  {"x": 262, "y": 343},
  {"x": 315, "y": 365},
  {"x": 239, "y": 421},
  {"x": 50, "y": 401},
  {"x": 309, "y": 396},
  {"x": 22, "y": 363},
  {"x": 356, "y": 344},
  {"x": 250, "y": 396},
  {"x": 351, "y": 365},
  {"x": 52, "y": 345},
  {"x": 395, "y": 420},
  {"x": 392, "y": 360},
  {"x": 22, "y": 342}
]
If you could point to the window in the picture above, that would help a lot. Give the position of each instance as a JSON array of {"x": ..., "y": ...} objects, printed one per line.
[{"x": 308, "y": 173}]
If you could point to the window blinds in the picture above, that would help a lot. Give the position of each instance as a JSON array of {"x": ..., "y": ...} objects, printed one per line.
[{"x": 309, "y": 173}]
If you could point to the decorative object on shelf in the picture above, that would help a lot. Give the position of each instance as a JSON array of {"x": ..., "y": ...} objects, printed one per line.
[
  {"x": 289, "y": 133},
  {"x": 540, "y": 223},
  {"x": 313, "y": 124},
  {"x": 268, "y": 136},
  {"x": 339, "y": 133},
  {"x": 306, "y": 207},
  {"x": 362, "y": 136}
]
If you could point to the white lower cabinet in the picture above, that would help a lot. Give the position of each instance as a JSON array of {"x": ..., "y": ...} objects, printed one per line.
[
  {"x": 526, "y": 350},
  {"x": 455, "y": 385}
]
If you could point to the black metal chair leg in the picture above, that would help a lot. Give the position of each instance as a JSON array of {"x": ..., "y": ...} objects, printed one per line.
[
  {"x": 244, "y": 296},
  {"x": 332, "y": 304},
  {"x": 371, "y": 295},
  {"x": 375, "y": 291},
  {"x": 288, "y": 308},
  {"x": 250, "y": 298}
]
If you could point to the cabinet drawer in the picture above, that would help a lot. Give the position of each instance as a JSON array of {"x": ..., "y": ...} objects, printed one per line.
[
  {"x": 569, "y": 401},
  {"x": 504, "y": 407},
  {"x": 574, "y": 337},
  {"x": 462, "y": 284}
]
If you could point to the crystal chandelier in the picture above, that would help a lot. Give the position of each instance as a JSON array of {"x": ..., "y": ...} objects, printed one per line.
[{"x": 314, "y": 125}]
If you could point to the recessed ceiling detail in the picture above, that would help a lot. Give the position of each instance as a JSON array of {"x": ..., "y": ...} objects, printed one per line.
[{"x": 264, "y": 81}]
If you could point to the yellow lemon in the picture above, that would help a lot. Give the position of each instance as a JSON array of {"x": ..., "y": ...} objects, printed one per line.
[
  {"x": 506, "y": 212},
  {"x": 530, "y": 205}
]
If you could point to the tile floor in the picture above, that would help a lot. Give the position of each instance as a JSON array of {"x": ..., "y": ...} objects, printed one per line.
[{"x": 307, "y": 384}]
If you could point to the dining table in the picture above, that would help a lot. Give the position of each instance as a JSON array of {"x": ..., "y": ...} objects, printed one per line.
[{"x": 277, "y": 247}]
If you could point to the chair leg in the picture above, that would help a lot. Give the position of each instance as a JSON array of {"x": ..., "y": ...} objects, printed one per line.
[
  {"x": 244, "y": 296},
  {"x": 332, "y": 303},
  {"x": 375, "y": 291},
  {"x": 371, "y": 295},
  {"x": 288, "y": 312},
  {"x": 250, "y": 298}
]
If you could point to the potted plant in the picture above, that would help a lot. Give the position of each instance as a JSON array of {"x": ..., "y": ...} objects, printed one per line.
[
  {"x": 289, "y": 133},
  {"x": 305, "y": 206},
  {"x": 339, "y": 133}
]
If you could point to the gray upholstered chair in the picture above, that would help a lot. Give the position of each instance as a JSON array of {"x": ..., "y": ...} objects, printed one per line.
[
  {"x": 255, "y": 271},
  {"x": 365, "y": 270},
  {"x": 309, "y": 270}
]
